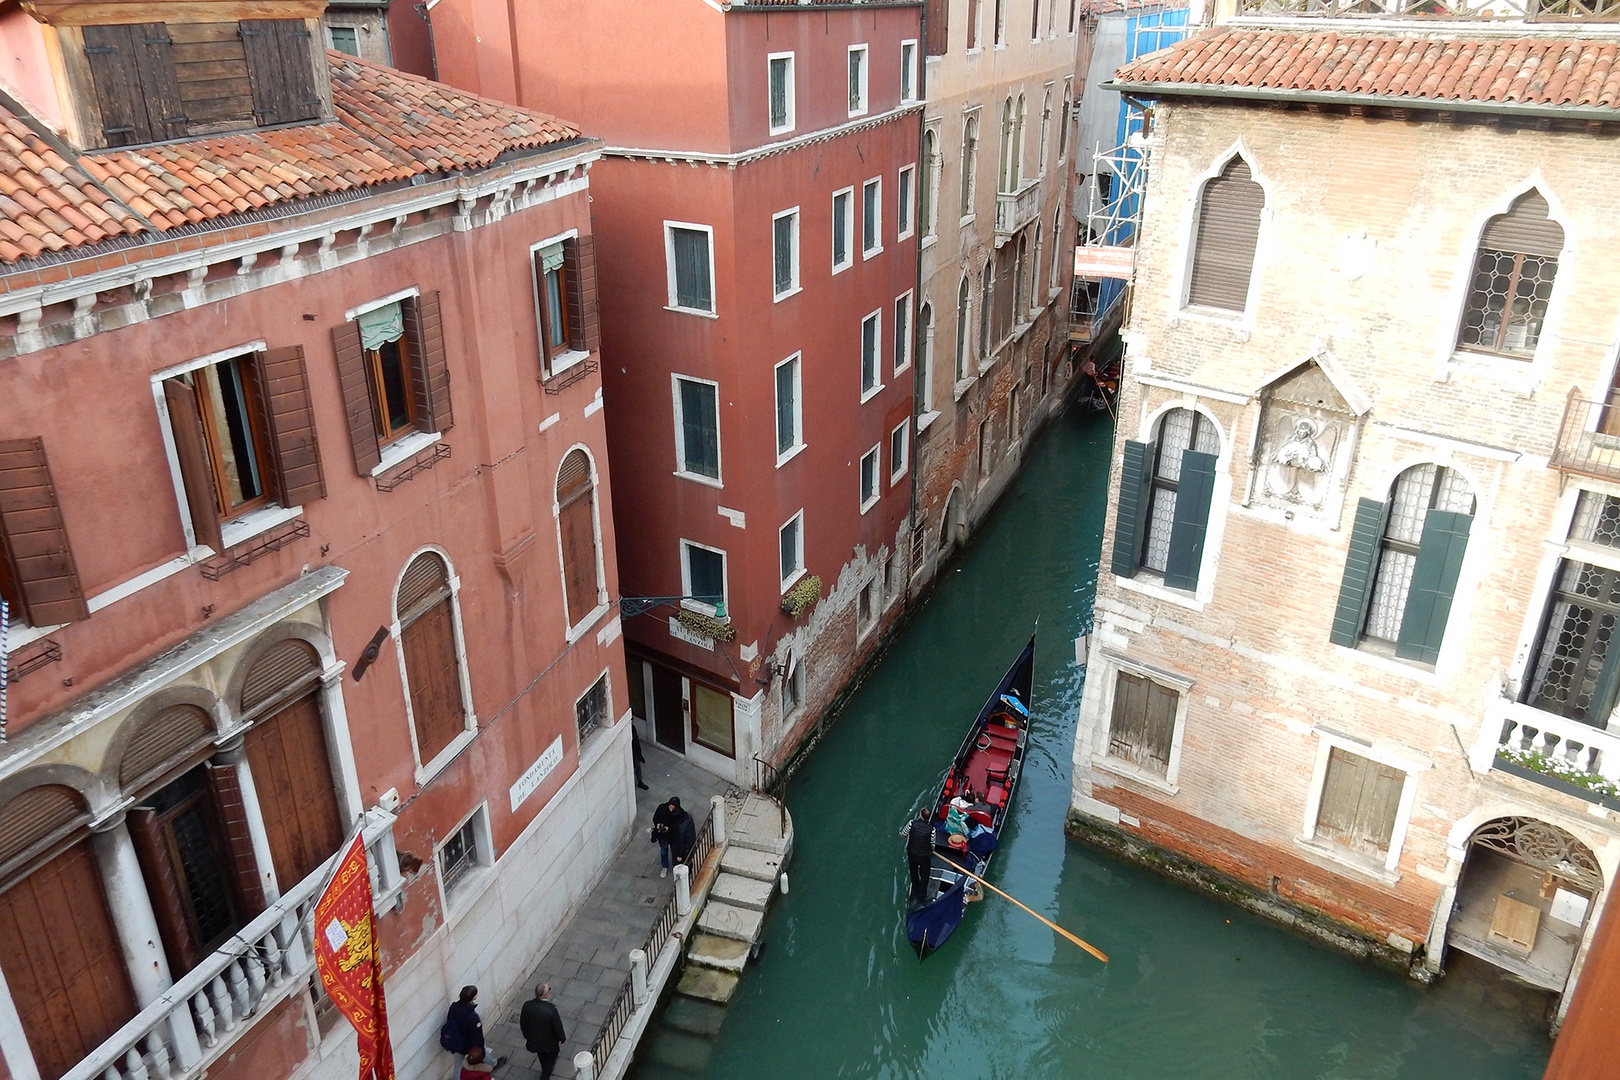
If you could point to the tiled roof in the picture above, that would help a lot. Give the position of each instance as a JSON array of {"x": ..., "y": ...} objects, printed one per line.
[
  {"x": 390, "y": 127},
  {"x": 1435, "y": 70}
]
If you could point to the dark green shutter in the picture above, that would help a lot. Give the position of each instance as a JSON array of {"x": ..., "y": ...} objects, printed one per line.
[
  {"x": 1194, "y": 493},
  {"x": 1355, "y": 589},
  {"x": 1130, "y": 514},
  {"x": 1434, "y": 582}
]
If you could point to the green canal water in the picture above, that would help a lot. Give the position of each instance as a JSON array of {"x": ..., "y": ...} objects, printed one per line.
[{"x": 1195, "y": 990}]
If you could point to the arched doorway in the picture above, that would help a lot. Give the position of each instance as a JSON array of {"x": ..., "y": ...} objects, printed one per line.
[{"x": 953, "y": 529}]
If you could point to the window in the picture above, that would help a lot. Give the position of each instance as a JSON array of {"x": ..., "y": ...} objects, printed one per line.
[
  {"x": 38, "y": 591},
  {"x": 970, "y": 163},
  {"x": 870, "y": 328},
  {"x": 1360, "y": 801},
  {"x": 930, "y": 182},
  {"x": 869, "y": 478},
  {"x": 789, "y": 416},
  {"x": 1001, "y": 22},
  {"x": 908, "y": 71},
  {"x": 987, "y": 285},
  {"x": 1036, "y": 300},
  {"x": 577, "y": 534},
  {"x": 1142, "y": 725},
  {"x": 903, "y": 195},
  {"x": 1046, "y": 122},
  {"x": 1224, "y": 243},
  {"x": 712, "y": 724},
  {"x": 591, "y": 711},
  {"x": 791, "y": 547},
  {"x": 464, "y": 852},
  {"x": 793, "y": 686},
  {"x": 925, "y": 358},
  {"x": 964, "y": 329},
  {"x": 697, "y": 428},
  {"x": 871, "y": 218},
  {"x": 973, "y": 25},
  {"x": 866, "y": 608},
  {"x": 1073, "y": 8},
  {"x": 703, "y": 576},
  {"x": 1404, "y": 558},
  {"x": 857, "y": 79},
  {"x": 1057, "y": 250},
  {"x": 902, "y": 333},
  {"x": 987, "y": 447},
  {"x": 345, "y": 39},
  {"x": 1514, "y": 270},
  {"x": 1035, "y": 19},
  {"x": 785, "y": 253},
  {"x": 843, "y": 230},
  {"x": 1575, "y": 671},
  {"x": 394, "y": 375},
  {"x": 1016, "y": 313},
  {"x": 430, "y": 655},
  {"x": 1165, "y": 493},
  {"x": 1063, "y": 125},
  {"x": 899, "y": 452},
  {"x": 781, "y": 92},
  {"x": 688, "y": 252},
  {"x": 565, "y": 301}
]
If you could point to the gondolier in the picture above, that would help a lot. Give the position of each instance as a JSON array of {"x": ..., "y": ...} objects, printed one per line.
[{"x": 919, "y": 834}]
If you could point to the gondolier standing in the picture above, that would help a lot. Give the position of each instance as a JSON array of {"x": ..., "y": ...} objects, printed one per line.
[{"x": 919, "y": 834}]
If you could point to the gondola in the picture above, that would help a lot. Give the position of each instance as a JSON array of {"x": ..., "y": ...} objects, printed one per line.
[{"x": 988, "y": 765}]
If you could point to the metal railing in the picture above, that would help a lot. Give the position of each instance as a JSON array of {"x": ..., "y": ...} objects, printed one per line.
[
  {"x": 1588, "y": 438},
  {"x": 1482, "y": 10}
]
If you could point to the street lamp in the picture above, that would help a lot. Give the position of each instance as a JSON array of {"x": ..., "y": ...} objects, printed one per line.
[{"x": 640, "y": 605}]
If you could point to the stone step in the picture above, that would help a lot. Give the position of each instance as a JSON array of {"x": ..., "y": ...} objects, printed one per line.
[
  {"x": 681, "y": 1051},
  {"x": 722, "y": 953},
  {"x": 695, "y": 1017},
  {"x": 746, "y": 862},
  {"x": 739, "y": 891},
  {"x": 708, "y": 984},
  {"x": 724, "y": 920},
  {"x": 761, "y": 825}
]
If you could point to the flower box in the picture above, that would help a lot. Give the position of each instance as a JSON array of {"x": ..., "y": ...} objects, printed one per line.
[
  {"x": 1557, "y": 783},
  {"x": 802, "y": 597},
  {"x": 707, "y": 625}
]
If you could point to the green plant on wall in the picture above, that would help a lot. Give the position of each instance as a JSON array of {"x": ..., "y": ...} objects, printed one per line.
[
  {"x": 802, "y": 597},
  {"x": 707, "y": 625}
]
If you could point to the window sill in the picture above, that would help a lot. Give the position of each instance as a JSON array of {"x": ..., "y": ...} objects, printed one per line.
[
  {"x": 565, "y": 360},
  {"x": 252, "y": 524},
  {"x": 1374, "y": 656},
  {"x": 17, "y": 636},
  {"x": 459, "y": 901},
  {"x": 783, "y": 459},
  {"x": 896, "y": 477},
  {"x": 425, "y": 773},
  {"x": 789, "y": 582},
  {"x": 1237, "y": 320},
  {"x": 871, "y": 253},
  {"x": 401, "y": 450},
  {"x": 965, "y": 221},
  {"x": 691, "y": 311},
  {"x": 986, "y": 365},
  {"x": 1129, "y": 770},
  {"x": 1363, "y": 865},
  {"x": 1188, "y": 600},
  {"x": 903, "y": 368},
  {"x": 871, "y": 392},
  {"x": 775, "y": 131},
  {"x": 777, "y": 298},
  {"x": 962, "y": 386},
  {"x": 926, "y": 420},
  {"x": 706, "y": 481},
  {"x": 869, "y": 503},
  {"x": 853, "y": 113},
  {"x": 928, "y": 241},
  {"x": 899, "y": 236},
  {"x": 839, "y": 268},
  {"x": 587, "y": 624}
]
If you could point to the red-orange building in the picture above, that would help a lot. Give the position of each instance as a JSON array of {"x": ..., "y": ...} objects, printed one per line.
[
  {"x": 304, "y": 526},
  {"x": 756, "y": 207}
]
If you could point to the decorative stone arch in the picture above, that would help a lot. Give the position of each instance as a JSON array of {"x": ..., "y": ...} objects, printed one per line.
[
  {"x": 1222, "y": 165},
  {"x": 41, "y": 810},
  {"x": 175, "y": 727},
  {"x": 953, "y": 521},
  {"x": 1151, "y": 422}
]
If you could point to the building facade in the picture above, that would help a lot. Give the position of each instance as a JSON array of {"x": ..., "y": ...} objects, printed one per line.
[
  {"x": 305, "y": 527},
  {"x": 1351, "y": 658}
]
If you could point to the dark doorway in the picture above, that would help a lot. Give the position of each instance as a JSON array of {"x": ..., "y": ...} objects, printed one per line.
[{"x": 669, "y": 718}]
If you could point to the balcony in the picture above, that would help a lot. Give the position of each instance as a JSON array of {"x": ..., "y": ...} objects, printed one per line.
[
  {"x": 1554, "y": 751},
  {"x": 1588, "y": 439},
  {"x": 1543, "y": 11},
  {"x": 1015, "y": 209}
]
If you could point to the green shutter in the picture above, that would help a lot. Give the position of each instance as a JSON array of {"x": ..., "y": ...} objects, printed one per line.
[
  {"x": 1434, "y": 581},
  {"x": 1193, "y": 496},
  {"x": 1355, "y": 589},
  {"x": 1130, "y": 514}
]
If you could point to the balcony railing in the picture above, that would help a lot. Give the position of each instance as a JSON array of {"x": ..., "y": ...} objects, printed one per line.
[
  {"x": 1580, "y": 754},
  {"x": 1015, "y": 209},
  {"x": 1550, "y": 11},
  {"x": 1588, "y": 438}
]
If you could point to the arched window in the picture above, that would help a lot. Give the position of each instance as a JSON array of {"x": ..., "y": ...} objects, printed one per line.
[
  {"x": 925, "y": 356},
  {"x": 1514, "y": 270},
  {"x": 1007, "y": 176},
  {"x": 1165, "y": 494},
  {"x": 1063, "y": 124},
  {"x": 1035, "y": 296},
  {"x": 1020, "y": 297},
  {"x": 576, "y": 523},
  {"x": 930, "y": 180},
  {"x": 425, "y": 611},
  {"x": 1046, "y": 122},
  {"x": 987, "y": 294},
  {"x": 1224, "y": 245},
  {"x": 964, "y": 331},
  {"x": 970, "y": 163},
  {"x": 1401, "y": 570},
  {"x": 1018, "y": 143},
  {"x": 1058, "y": 254}
]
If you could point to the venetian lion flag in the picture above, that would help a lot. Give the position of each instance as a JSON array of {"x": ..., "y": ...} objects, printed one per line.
[{"x": 346, "y": 958}]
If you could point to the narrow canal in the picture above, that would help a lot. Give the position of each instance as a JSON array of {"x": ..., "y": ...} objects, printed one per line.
[{"x": 1194, "y": 989}]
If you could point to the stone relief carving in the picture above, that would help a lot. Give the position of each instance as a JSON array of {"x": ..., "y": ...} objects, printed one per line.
[{"x": 1305, "y": 433}]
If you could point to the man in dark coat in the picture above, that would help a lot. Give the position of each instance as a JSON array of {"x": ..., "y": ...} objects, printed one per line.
[
  {"x": 919, "y": 834},
  {"x": 463, "y": 1023},
  {"x": 682, "y": 835},
  {"x": 542, "y": 1029},
  {"x": 663, "y": 831}
]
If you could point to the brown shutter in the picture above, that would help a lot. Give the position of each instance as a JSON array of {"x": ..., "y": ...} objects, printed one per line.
[
  {"x": 286, "y": 666},
  {"x": 36, "y": 563},
  {"x": 284, "y": 387},
  {"x": 575, "y": 520},
  {"x": 211, "y": 68},
  {"x": 132, "y": 67},
  {"x": 1526, "y": 229},
  {"x": 163, "y": 885},
  {"x": 225, "y": 785},
  {"x": 426, "y": 578},
  {"x": 35, "y": 822},
  {"x": 292, "y": 776},
  {"x": 542, "y": 306},
  {"x": 1228, "y": 230},
  {"x": 429, "y": 644},
  {"x": 430, "y": 368},
  {"x": 584, "y": 320},
  {"x": 163, "y": 743},
  {"x": 185, "y": 420},
  {"x": 355, "y": 384},
  {"x": 281, "y": 69}
]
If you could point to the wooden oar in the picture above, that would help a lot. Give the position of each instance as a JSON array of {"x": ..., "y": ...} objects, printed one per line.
[{"x": 1094, "y": 951}]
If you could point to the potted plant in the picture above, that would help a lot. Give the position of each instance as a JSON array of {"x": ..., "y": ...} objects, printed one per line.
[
  {"x": 1558, "y": 774},
  {"x": 802, "y": 596}
]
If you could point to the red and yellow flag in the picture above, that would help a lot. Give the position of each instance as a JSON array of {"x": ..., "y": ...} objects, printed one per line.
[{"x": 346, "y": 958}]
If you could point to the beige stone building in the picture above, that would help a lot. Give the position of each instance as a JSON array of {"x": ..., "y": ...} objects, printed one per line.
[{"x": 1354, "y": 659}]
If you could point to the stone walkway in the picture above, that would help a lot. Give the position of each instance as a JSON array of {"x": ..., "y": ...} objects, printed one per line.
[{"x": 591, "y": 958}]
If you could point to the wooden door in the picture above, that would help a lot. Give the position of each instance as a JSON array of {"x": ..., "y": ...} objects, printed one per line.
[
  {"x": 435, "y": 679},
  {"x": 292, "y": 773},
  {"x": 62, "y": 961},
  {"x": 669, "y": 714}
]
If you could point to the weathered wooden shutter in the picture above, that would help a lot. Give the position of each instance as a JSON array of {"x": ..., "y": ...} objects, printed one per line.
[
  {"x": 1130, "y": 514},
  {"x": 938, "y": 16},
  {"x": 211, "y": 67},
  {"x": 35, "y": 824},
  {"x": 1360, "y": 798},
  {"x": 225, "y": 787},
  {"x": 1526, "y": 229},
  {"x": 283, "y": 668},
  {"x": 163, "y": 887},
  {"x": 355, "y": 384},
  {"x": 1194, "y": 494},
  {"x": 35, "y": 559},
  {"x": 431, "y": 370},
  {"x": 1224, "y": 242},
  {"x": 190, "y": 445},
  {"x": 1355, "y": 587},
  {"x": 284, "y": 387},
  {"x": 425, "y": 581},
  {"x": 292, "y": 775},
  {"x": 133, "y": 71},
  {"x": 162, "y": 743},
  {"x": 1144, "y": 719},
  {"x": 575, "y": 520},
  {"x": 281, "y": 66},
  {"x": 1434, "y": 583},
  {"x": 429, "y": 644},
  {"x": 584, "y": 320}
]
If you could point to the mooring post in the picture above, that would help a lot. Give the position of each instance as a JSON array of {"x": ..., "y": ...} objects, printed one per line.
[
  {"x": 638, "y": 977},
  {"x": 718, "y": 812},
  {"x": 683, "y": 890},
  {"x": 584, "y": 1066}
]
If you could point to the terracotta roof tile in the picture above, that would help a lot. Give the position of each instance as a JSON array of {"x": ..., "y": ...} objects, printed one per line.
[
  {"x": 1532, "y": 70},
  {"x": 389, "y": 127}
]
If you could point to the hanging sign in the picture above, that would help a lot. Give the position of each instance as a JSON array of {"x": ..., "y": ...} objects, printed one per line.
[{"x": 1096, "y": 261}]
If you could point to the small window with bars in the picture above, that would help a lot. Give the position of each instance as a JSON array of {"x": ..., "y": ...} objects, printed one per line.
[
  {"x": 465, "y": 851},
  {"x": 591, "y": 711}
]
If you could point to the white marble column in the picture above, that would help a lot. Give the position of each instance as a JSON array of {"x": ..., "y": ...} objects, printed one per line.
[{"x": 131, "y": 909}]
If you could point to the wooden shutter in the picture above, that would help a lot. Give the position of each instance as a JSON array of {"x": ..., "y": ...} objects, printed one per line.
[
  {"x": 584, "y": 320},
  {"x": 430, "y": 369},
  {"x": 434, "y": 680},
  {"x": 225, "y": 787},
  {"x": 35, "y": 824},
  {"x": 1224, "y": 242},
  {"x": 292, "y": 776},
  {"x": 63, "y": 962},
  {"x": 164, "y": 883},
  {"x": 1526, "y": 229},
  {"x": 284, "y": 667},
  {"x": 284, "y": 387},
  {"x": 937, "y": 15},
  {"x": 185, "y": 420},
  {"x": 1144, "y": 720},
  {"x": 1360, "y": 798},
  {"x": 1355, "y": 588},
  {"x": 281, "y": 69},
  {"x": 132, "y": 67},
  {"x": 36, "y": 563},
  {"x": 1130, "y": 513},
  {"x": 1434, "y": 582},
  {"x": 355, "y": 384},
  {"x": 576, "y": 500},
  {"x": 211, "y": 68},
  {"x": 1194, "y": 493},
  {"x": 425, "y": 580},
  {"x": 162, "y": 743}
]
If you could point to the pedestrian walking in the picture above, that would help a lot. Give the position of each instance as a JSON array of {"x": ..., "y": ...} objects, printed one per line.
[
  {"x": 682, "y": 837},
  {"x": 663, "y": 831},
  {"x": 919, "y": 834},
  {"x": 636, "y": 759},
  {"x": 542, "y": 1029},
  {"x": 463, "y": 1031}
]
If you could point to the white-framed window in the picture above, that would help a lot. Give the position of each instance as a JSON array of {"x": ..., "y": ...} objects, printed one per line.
[
  {"x": 843, "y": 229},
  {"x": 908, "y": 70},
  {"x": 789, "y": 409},
  {"x": 579, "y": 541},
  {"x": 925, "y": 357},
  {"x": 1035, "y": 19},
  {"x": 785, "y": 254},
  {"x": 593, "y": 709},
  {"x": 857, "y": 79},
  {"x": 1057, "y": 248},
  {"x": 1000, "y": 23},
  {"x": 928, "y": 209},
  {"x": 1359, "y": 804},
  {"x": 703, "y": 576},
  {"x": 697, "y": 428},
  {"x": 1146, "y": 715},
  {"x": 904, "y": 332},
  {"x": 432, "y": 660},
  {"x": 899, "y": 452},
  {"x": 869, "y": 478},
  {"x": 345, "y": 39},
  {"x": 793, "y": 686},
  {"x": 871, "y": 360},
  {"x": 871, "y": 217},
  {"x": 970, "y": 163},
  {"x": 1046, "y": 123},
  {"x": 463, "y": 854},
  {"x": 964, "y": 329},
  {"x": 904, "y": 193},
  {"x": 867, "y": 605},
  {"x": 790, "y": 546},
  {"x": 1064, "y": 119},
  {"x": 689, "y": 257},
  {"x": 780, "y": 92},
  {"x": 564, "y": 294},
  {"x": 1074, "y": 6}
]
